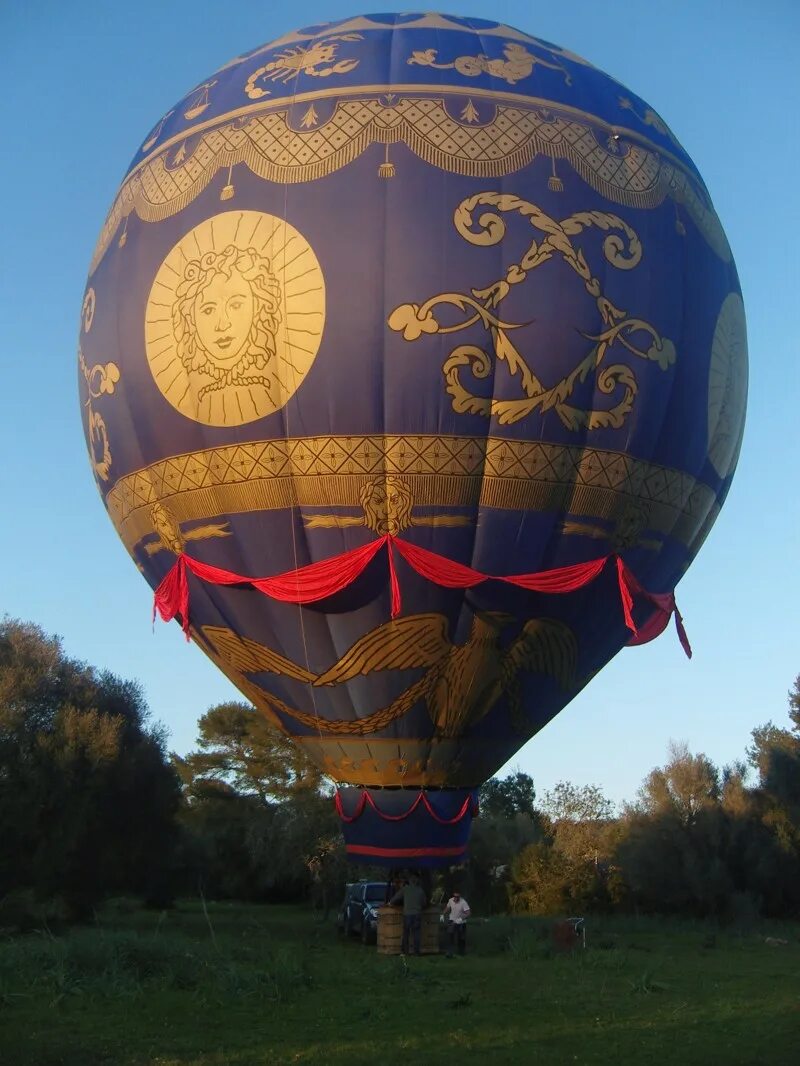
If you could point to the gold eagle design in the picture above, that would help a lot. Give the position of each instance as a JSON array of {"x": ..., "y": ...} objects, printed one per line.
[{"x": 461, "y": 683}]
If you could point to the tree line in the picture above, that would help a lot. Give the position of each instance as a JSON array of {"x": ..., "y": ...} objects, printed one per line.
[{"x": 93, "y": 804}]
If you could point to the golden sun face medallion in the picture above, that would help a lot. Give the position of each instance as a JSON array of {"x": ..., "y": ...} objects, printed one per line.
[{"x": 234, "y": 318}]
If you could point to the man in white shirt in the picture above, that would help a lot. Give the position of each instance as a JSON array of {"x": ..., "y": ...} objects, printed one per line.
[{"x": 456, "y": 912}]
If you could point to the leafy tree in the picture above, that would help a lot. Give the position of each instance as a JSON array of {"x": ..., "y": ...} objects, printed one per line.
[
  {"x": 258, "y": 824},
  {"x": 579, "y": 818},
  {"x": 545, "y": 881},
  {"x": 775, "y": 753},
  {"x": 505, "y": 797},
  {"x": 563, "y": 872},
  {"x": 238, "y": 746},
  {"x": 585, "y": 803},
  {"x": 683, "y": 787},
  {"x": 700, "y": 841},
  {"x": 87, "y": 798},
  {"x": 297, "y": 848}
]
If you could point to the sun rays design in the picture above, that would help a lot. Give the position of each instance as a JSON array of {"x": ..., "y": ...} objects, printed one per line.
[{"x": 234, "y": 318}]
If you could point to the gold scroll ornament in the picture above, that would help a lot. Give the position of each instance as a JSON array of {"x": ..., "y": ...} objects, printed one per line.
[
  {"x": 101, "y": 380},
  {"x": 234, "y": 318},
  {"x": 618, "y": 330}
]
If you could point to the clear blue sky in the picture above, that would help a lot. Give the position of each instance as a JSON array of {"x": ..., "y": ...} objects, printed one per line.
[{"x": 85, "y": 81}]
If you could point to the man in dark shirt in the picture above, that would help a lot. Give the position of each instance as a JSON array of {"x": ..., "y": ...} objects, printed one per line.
[{"x": 413, "y": 899}]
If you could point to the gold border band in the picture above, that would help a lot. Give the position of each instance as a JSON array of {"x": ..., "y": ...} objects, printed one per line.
[
  {"x": 267, "y": 144},
  {"x": 441, "y": 471}
]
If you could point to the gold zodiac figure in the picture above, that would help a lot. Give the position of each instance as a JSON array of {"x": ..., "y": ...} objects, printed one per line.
[
  {"x": 650, "y": 118},
  {"x": 302, "y": 60},
  {"x": 388, "y": 504},
  {"x": 461, "y": 683},
  {"x": 518, "y": 64},
  {"x": 199, "y": 101}
]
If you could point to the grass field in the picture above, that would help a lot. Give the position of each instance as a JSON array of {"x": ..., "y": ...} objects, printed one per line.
[{"x": 274, "y": 985}]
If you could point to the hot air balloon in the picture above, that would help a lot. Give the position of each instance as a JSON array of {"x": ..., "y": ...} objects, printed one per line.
[{"x": 413, "y": 374}]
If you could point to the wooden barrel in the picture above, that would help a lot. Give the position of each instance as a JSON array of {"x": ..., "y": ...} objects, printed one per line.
[{"x": 390, "y": 931}]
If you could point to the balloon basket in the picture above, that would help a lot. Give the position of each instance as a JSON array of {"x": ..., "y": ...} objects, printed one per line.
[{"x": 390, "y": 931}]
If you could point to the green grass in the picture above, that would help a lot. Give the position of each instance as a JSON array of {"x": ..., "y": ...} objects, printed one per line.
[{"x": 274, "y": 985}]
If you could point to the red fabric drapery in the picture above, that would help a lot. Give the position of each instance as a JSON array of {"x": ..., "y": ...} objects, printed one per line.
[
  {"x": 317, "y": 581},
  {"x": 468, "y": 806},
  {"x": 307, "y": 584},
  {"x": 665, "y": 607},
  {"x": 454, "y": 575}
]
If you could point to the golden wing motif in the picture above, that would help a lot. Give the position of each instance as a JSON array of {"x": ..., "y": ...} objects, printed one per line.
[
  {"x": 247, "y": 656},
  {"x": 419, "y": 640},
  {"x": 544, "y": 646},
  {"x": 371, "y": 723}
]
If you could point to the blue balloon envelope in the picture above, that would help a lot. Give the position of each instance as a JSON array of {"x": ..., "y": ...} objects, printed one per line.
[{"x": 423, "y": 277}]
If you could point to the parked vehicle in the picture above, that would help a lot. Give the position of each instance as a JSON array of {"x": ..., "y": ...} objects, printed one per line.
[{"x": 358, "y": 914}]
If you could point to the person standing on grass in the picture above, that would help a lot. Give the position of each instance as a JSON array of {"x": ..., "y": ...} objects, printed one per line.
[
  {"x": 413, "y": 899},
  {"x": 456, "y": 911}
]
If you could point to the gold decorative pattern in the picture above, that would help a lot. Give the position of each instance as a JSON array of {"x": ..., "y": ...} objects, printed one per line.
[
  {"x": 650, "y": 118},
  {"x": 101, "y": 380},
  {"x": 626, "y": 530},
  {"x": 461, "y": 683},
  {"x": 409, "y": 762},
  {"x": 727, "y": 386},
  {"x": 170, "y": 535},
  {"x": 517, "y": 65},
  {"x": 87, "y": 312},
  {"x": 430, "y": 21},
  {"x": 317, "y": 61},
  {"x": 639, "y": 176},
  {"x": 155, "y": 133},
  {"x": 248, "y": 688},
  {"x": 387, "y": 503},
  {"x": 199, "y": 101},
  {"x": 618, "y": 331},
  {"x": 234, "y": 318},
  {"x": 441, "y": 471}
]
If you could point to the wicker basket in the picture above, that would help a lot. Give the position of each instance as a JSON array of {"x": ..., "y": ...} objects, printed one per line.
[{"x": 390, "y": 931}]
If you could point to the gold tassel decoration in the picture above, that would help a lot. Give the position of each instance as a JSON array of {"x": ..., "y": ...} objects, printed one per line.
[
  {"x": 386, "y": 169},
  {"x": 228, "y": 190},
  {"x": 554, "y": 183}
]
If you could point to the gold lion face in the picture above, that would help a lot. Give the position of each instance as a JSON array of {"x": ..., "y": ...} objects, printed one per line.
[{"x": 387, "y": 504}]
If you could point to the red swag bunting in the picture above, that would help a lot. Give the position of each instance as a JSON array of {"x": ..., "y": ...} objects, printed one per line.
[
  {"x": 317, "y": 581},
  {"x": 468, "y": 806}
]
